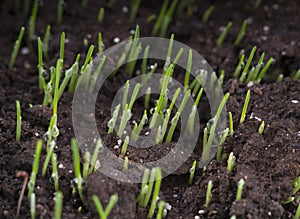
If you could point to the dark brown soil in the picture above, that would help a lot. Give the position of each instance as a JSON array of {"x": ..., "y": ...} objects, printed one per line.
[{"x": 268, "y": 162}]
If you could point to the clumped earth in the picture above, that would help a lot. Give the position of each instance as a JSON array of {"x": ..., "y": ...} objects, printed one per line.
[{"x": 268, "y": 163}]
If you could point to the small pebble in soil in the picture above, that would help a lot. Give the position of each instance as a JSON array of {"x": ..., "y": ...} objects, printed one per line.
[
  {"x": 67, "y": 40},
  {"x": 132, "y": 31},
  {"x": 266, "y": 29},
  {"x": 116, "y": 40},
  {"x": 125, "y": 9},
  {"x": 25, "y": 51},
  {"x": 197, "y": 217},
  {"x": 61, "y": 166},
  {"x": 201, "y": 211},
  {"x": 295, "y": 101}
]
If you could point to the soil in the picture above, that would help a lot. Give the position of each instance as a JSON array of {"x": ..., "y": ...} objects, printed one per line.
[{"x": 268, "y": 162}]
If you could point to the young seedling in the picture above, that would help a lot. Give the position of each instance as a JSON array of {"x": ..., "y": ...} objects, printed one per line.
[
  {"x": 103, "y": 214},
  {"x": 261, "y": 127},
  {"x": 74, "y": 77},
  {"x": 42, "y": 83},
  {"x": 207, "y": 13},
  {"x": 126, "y": 115},
  {"x": 231, "y": 162},
  {"x": 112, "y": 122},
  {"x": 244, "y": 111},
  {"x": 60, "y": 11},
  {"x": 167, "y": 19},
  {"x": 207, "y": 147},
  {"x": 245, "y": 71},
  {"x": 134, "y": 52},
  {"x": 46, "y": 40},
  {"x": 239, "y": 192},
  {"x": 192, "y": 172},
  {"x": 94, "y": 165},
  {"x": 241, "y": 33},
  {"x": 134, "y": 7},
  {"x": 35, "y": 167},
  {"x": 100, "y": 15},
  {"x": 48, "y": 157},
  {"x": 252, "y": 75},
  {"x": 220, "y": 148},
  {"x": 191, "y": 119},
  {"x": 23, "y": 174},
  {"x": 158, "y": 176},
  {"x": 188, "y": 70},
  {"x": 32, "y": 206},
  {"x": 55, "y": 172},
  {"x": 160, "y": 18},
  {"x": 58, "y": 205},
  {"x": 101, "y": 45},
  {"x": 76, "y": 161},
  {"x": 32, "y": 20},
  {"x": 221, "y": 38},
  {"x": 239, "y": 67},
  {"x": 297, "y": 215},
  {"x": 208, "y": 193},
  {"x": 16, "y": 48},
  {"x": 124, "y": 146},
  {"x": 160, "y": 210},
  {"x": 136, "y": 132},
  {"x": 169, "y": 53},
  {"x": 264, "y": 70},
  {"x": 19, "y": 121},
  {"x": 125, "y": 165},
  {"x": 230, "y": 124}
]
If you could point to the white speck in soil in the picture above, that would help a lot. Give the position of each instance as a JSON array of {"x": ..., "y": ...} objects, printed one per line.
[
  {"x": 132, "y": 31},
  {"x": 295, "y": 101},
  {"x": 116, "y": 40},
  {"x": 125, "y": 9},
  {"x": 67, "y": 40},
  {"x": 61, "y": 166},
  {"x": 197, "y": 217},
  {"x": 201, "y": 211},
  {"x": 36, "y": 134},
  {"x": 146, "y": 133},
  {"x": 119, "y": 142},
  {"x": 116, "y": 147},
  {"x": 266, "y": 29},
  {"x": 25, "y": 51}
]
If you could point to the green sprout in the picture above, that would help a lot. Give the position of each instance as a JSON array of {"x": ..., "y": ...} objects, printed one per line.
[
  {"x": 160, "y": 18},
  {"x": 19, "y": 121},
  {"x": 206, "y": 151},
  {"x": 160, "y": 210},
  {"x": 100, "y": 15},
  {"x": 261, "y": 127},
  {"x": 188, "y": 69},
  {"x": 32, "y": 20},
  {"x": 42, "y": 83},
  {"x": 103, "y": 214},
  {"x": 231, "y": 162},
  {"x": 56, "y": 87},
  {"x": 223, "y": 34},
  {"x": 68, "y": 75},
  {"x": 239, "y": 192},
  {"x": 136, "y": 132},
  {"x": 49, "y": 155},
  {"x": 207, "y": 13},
  {"x": 101, "y": 45},
  {"x": 94, "y": 77},
  {"x": 32, "y": 206},
  {"x": 297, "y": 215},
  {"x": 126, "y": 115},
  {"x": 296, "y": 75},
  {"x": 76, "y": 161},
  {"x": 145, "y": 59},
  {"x": 134, "y": 7},
  {"x": 16, "y": 48},
  {"x": 94, "y": 162},
  {"x": 58, "y": 205},
  {"x": 238, "y": 69},
  {"x": 253, "y": 74},
  {"x": 208, "y": 193},
  {"x": 134, "y": 52},
  {"x": 35, "y": 167},
  {"x": 230, "y": 124},
  {"x": 167, "y": 18},
  {"x": 125, "y": 165},
  {"x": 147, "y": 97},
  {"x": 72, "y": 84},
  {"x": 175, "y": 119},
  {"x": 241, "y": 33},
  {"x": 147, "y": 187},
  {"x": 55, "y": 172},
  {"x": 169, "y": 52},
  {"x": 244, "y": 111},
  {"x": 112, "y": 122},
  {"x": 124, "y": 146},
  {"x": 60, "y": 11},
  {"x": 279, "y": 78},
  {"x": 46, "y": 40},
  {"x": 191, "y": 119},
  {"x": 192, "y": 172},
  {"x": 220, "y": 148},
  {"x": 244, "y": 73},
  {"x": 86, "y": 164},
  {"x": 263, "y": 71}
]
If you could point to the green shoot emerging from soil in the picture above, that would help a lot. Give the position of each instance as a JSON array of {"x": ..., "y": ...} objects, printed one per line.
[
  {"x": 192, "y": 172},
  {"x": 230, "y": 124},
  {"x": 207, "y": 13},
  {"x": 241, "y": 33},
  {"x": 19, "y": 121},
  {"x": 58, "y": 205},
  {"x": 103, "y": 214},
  {"x": 100, "y": 15},
  {"x": 244, "y": 111},
  {"x": 239, "y": 193},
  {"x": 32, "y": 20},
  {"x": 231, "y": 162},
  {"x": 261, "y": 127},
  {"x": 78, "y": 181},
  {"x": 16, "y": 48},
  {"x": 208, "y": 193},
  {"x": 221, "y": 38},
  {"x": 35, "y": 167},
  {"x": 32, "y": 206}
]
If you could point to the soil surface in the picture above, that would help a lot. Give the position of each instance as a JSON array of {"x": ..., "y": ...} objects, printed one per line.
[{"x": 268, "y": 163}]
